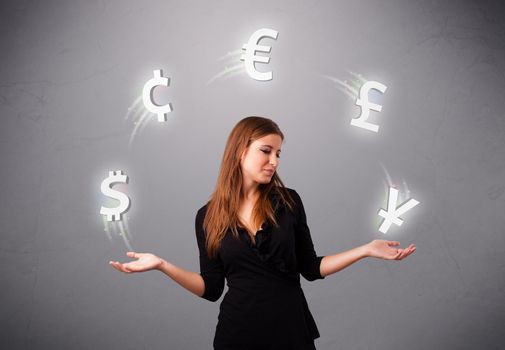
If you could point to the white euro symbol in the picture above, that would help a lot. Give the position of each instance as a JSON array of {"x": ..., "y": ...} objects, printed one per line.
[
  {"x": 249, "y": 57},
  {"x": 366, "y": 105},
  {"x": 161, "y": 111},
  {"x": 392, "y": 215}
]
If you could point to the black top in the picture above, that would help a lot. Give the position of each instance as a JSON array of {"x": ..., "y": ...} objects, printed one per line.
[{"x": 264, "y": 307}]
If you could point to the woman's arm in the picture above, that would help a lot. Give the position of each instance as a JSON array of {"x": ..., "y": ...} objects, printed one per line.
[
  {"x": 378, "y": 248},
  {"x": 192, "y": 281},
  {"x": 208, "y": 284}
]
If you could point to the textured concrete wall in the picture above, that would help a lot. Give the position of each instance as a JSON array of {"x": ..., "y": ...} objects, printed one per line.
[{"x": 70, "y": 81}]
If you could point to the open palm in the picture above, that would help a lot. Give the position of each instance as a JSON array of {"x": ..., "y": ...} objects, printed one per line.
[
  {"x": 380, "y": 248},
  {"x": 144, "y": 262}
]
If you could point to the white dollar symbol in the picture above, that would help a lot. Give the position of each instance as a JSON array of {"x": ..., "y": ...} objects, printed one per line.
[
  {"x": 147, "y": 96},
  {"x": 366, "y": 105},
  {"x": 250, "y": 53},
  {"x": 114, "y": 214},
  {"x": 392, "y": 215}
]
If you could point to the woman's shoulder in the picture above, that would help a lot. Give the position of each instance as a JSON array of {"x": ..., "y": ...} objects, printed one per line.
[
  {"x": 291, "y": 201},
  {"x": 290, "y": 190},
  {"x": 200, "y": 213},
  {"x": 277, "y": 189},
  {"x": 294, "y": 194}
]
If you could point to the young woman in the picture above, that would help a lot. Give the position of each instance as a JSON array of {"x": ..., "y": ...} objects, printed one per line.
[{"x": 253, "y": 232}]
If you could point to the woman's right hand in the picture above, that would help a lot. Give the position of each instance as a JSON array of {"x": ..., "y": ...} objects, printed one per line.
[
  {"x": 145, "y": 262},
  {"x": 383, "y": 249}
]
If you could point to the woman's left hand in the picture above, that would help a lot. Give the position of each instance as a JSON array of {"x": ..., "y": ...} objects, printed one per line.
[{"x": 382, "y": 249}]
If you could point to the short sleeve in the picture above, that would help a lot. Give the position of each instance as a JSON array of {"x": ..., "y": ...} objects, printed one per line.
[
  {"x": 211, "y": 270},
  {"x": 308, "y": 261}
]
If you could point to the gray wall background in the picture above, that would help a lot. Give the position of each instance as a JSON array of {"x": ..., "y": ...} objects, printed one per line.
[{"x": 71, "y": 70}]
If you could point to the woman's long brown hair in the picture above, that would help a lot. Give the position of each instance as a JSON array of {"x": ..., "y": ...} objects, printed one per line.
[{"x": 222, "y": 208}]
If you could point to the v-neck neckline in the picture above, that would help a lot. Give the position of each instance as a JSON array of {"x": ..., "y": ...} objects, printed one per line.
[
  {"x": 264, "y": 225},
  {"x": 253, "y": 240},
  {"x": 256, "y": 233}
]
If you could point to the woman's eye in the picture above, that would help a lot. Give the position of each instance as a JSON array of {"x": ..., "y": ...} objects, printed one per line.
[{"x": 268, "y": 152}]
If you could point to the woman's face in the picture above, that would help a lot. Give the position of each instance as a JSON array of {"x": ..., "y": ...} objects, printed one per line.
[{"x": 261, "y": 155}]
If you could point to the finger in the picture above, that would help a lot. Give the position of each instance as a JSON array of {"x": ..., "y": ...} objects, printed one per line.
[
  {"x": 132, "y": 255},
  {"x": 121, "y": 267},
  {"x": 125, "y": 270},
  {"x": 393, "y": 243},
  {"x": 397, "y": 256},
  {"x": 116, "y": 266},
  {"x": 406, "y": 253},
  {"x": 412, "y": 250},
  {"x": 111, "y": 263}
]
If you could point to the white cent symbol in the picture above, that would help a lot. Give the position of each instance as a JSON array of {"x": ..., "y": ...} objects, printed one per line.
[{"x": 147, "y": 96}]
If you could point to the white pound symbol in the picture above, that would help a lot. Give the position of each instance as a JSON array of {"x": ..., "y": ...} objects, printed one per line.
[{"x": 366, "y": 105}]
